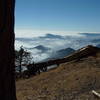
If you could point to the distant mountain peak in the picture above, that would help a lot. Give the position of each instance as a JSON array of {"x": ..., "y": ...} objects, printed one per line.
[
  {"x": 60, "y": 53},
  {"x": 90, "y": 34},
  {"x": 42, "y": 48},
  {"x": 66, "y": 49},
  {"x": 52, "y": 36},
  {"x": 39, "y": 46},
  {"x": 84, "y": 52}
]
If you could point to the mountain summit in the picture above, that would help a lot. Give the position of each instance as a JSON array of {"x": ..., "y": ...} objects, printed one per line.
[
  {"x": 52, "y": 36},
  {"x": 42, "y": 48},
  {"x": 62, "y": 53}
]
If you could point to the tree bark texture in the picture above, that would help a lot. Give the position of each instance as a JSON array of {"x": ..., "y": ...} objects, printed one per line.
[{"x": 7, "y": 52}]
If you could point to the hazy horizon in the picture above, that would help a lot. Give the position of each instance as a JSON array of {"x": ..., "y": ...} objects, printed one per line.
[{"x": 38, "y": 17}]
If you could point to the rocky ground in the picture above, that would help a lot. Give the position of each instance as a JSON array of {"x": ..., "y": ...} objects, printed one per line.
[{"x": 73, "y": 80}]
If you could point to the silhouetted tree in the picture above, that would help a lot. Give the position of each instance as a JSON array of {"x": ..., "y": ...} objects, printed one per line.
[
  {"x": 7, "y": 54},
  {"x": 22, "y": 58}
]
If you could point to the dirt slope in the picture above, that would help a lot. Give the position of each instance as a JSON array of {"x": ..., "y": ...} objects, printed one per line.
[{"x": 70, "y": 81}]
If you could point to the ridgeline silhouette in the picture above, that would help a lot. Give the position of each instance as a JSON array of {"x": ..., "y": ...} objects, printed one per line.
[{"x": 84, "y": 52}]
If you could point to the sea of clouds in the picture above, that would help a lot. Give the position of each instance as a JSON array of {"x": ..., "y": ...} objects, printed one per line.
[{"x": 55, "y": 42}]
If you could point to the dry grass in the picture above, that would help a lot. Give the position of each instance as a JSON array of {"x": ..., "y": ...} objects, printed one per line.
[{"x": 70, "y": 81}]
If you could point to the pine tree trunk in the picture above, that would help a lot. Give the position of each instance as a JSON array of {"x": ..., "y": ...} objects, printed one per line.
[{"x": 7, "y": 54}]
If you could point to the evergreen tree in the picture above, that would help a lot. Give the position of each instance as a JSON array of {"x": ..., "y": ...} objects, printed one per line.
[{"x": 22, "y": 58}]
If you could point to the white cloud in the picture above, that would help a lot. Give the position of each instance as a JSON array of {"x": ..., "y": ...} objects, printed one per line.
[
  {"x": 23, "y": 32},
  {"x": 77, "y": 41}
]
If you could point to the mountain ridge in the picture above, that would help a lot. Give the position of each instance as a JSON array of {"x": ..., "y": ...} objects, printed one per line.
[{"x": 72, "y": 80}]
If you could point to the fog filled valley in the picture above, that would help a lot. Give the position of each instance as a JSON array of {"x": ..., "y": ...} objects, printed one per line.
[
  {"x": 76, "y": 76},
  {"x": 75, "y": 71},
  {"x": 50, "y": 46}
]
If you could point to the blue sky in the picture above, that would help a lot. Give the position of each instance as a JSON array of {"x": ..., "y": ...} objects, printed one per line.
[{"x": 62, "y": 16}]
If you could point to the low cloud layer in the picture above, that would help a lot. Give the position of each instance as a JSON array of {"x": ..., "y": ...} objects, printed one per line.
[{"x": 56, "y": 42}]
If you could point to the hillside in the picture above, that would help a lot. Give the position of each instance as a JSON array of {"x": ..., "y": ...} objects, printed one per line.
[
  {"x": 62, "y": 53},
  {"x": 72, "y": 80}
]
